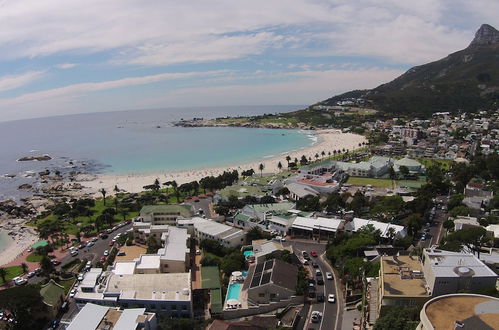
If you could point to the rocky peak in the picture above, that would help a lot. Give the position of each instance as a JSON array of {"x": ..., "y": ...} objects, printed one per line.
[{"x": 486, "y": 35}]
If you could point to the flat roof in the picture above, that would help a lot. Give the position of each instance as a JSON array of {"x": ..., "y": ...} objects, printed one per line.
[
  {"x": 175, "y": 244},
  {"x": 89, "y": 317},
  {"x": 217, "y": 229},
  {"x": 150, "y": 286},
  {"x": 124, "y": 267},
  {"x": 128, "y": 319},
  {"x": 402, "y": 276},
  {"x": 456, "y": 264},
  {"x": 307, "y": 223},
  {"x": 384, "y": 227},
  {"x": 90, "y": 278},
  {"x": 182, "y": 210},
  {"x": 148, "y": 261},
  {"x": 474, "y": 311}
]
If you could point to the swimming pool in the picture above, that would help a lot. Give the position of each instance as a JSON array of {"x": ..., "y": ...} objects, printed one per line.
[
  {"x": 233, "y": 291},
  {"x": 248, "y": 253}
]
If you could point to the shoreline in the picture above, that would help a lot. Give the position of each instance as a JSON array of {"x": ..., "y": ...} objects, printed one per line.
[
  {"x": 327, "y": 141},
  {"x": 19, "y": 243}
]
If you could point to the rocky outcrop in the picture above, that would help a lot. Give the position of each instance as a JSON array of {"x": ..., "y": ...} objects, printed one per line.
[
  {"x": 486, "y": 35},
  {"x": 25, "y": 186},
  {"x": 36, "y": 158}
]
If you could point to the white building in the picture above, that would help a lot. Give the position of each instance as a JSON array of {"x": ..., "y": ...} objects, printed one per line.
[
  {"x": 311, "y": 227},
  {"x": 227, "y": 236},
  {"x": 450, "y": 272},
  {"x": 384, "y": 228},
  {"x": 95, "y": 317}
]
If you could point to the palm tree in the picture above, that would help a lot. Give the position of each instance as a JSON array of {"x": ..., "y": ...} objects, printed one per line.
[
  {"x": 296, "y": 160},
  {"x": 24, "y": 267},
  {"x": 3, "y": 273},
  {"x": 103, "y": 192},
  {"x": 261, "y": 167},
  {"x": 279, "y": 166},
  {"x": 316, "y": 156},
  {"x": 174, "y": 186},
  {"x": 323, "y": 154},
  {"x": 288, "y": 159},
  {"x": 116, "y": 189}
]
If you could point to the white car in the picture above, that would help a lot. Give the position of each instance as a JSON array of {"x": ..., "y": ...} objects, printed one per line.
[
  {"x": 19, "y": 280},
  {"x": 72, "y": 293},
  {"x": 89, "y": 244},
  {"x": 316, "y": 317},
  {"x": 331, "y": 298},
  {"x": 106, "y": 253},
  {"x": 329, "y": 276},
  {"x": 80, "y": 277}
]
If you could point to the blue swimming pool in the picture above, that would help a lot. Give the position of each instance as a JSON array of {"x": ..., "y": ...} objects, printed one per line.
[
  {"x": 248, "y": 253},
  {"x": 233, "y": 291}
]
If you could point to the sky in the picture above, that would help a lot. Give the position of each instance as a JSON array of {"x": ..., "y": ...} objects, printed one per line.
[{"x": 67, "y": 57}]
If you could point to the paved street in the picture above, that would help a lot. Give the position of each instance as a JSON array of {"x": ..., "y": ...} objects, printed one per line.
[{"x": 328, "y": 310}]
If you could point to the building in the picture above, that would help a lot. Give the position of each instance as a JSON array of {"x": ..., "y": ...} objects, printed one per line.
[
  {"x": 375, "y": 167},
  {"x": 316, "y": 227},
  {"x": 164, "y": 214},
  {"x": 460, "y": 311},
  {"x": 401, "y": 283},
  {"x": 259, "y": 214},
  {"x": 168, "y": 294},
  {"x": 299, "y": 191},
  {"x": 476, "y": 197},
  {"x": 95, "y": 317},
  {"x": 412, "y": 165},
  {"x": 271, "y": 281},
  {"x": 462, "y": 222},
  {"x": 227, "y": 236},
  {"x": 262, "y": 248},
  {"x": 210, "y": 282},
  {"x": 387, "y": 230},
  {"x": 52, "y": 297},
  {"x": 449, "y": 272}
]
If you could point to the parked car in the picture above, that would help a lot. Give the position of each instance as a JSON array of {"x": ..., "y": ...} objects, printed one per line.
[
  {"x": 80, "y": 277},
  {"x": 313, "y": 254},
  {"x": 102, "y": 259},
  {"x": 31, "y": 274},
  {"x": 329, "y": 276},
  {"x": 320, "y": 297},
  {"x": 305, "y": 255},
  {"x": 38, "y": 271},
  {"x": 320, "y": 281},
  {"x": 106, "y": 253},
  {"x": 111, "y": 243},
  {"x": 121, "y": 253},
  {"x": 19, "y": 280},
  {"x": 316, "y": 316},
  {"x": 331, "y": 298},
  {"x": 94, "y": 239},
  {"x": 315, "y": 265},
  {"x": 56, "y": 262},
  {"x": 318, "y": 272},
  {"x": 74, "y": 253},
  {"x": 104, "y": 236},
  {"x": 72, "y": 293},
  {"x": 89, "y": 244}
]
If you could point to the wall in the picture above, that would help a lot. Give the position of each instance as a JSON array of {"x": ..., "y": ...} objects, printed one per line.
[
  {"x": 267, "y": 290},
  {"x": 254, "y": 310}
]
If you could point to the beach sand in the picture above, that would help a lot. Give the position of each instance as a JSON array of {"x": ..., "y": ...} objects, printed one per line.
[
  {"x": 22, "y": 240},
  {"x": 327, "y": 141}
]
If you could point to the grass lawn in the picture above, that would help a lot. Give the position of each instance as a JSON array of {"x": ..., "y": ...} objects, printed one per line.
[
  {"x": 387, "y": 183},
  {"x": 241, "y": 191},
  {"x": 12, "y": 272},
  {"x": 33, "y": 257},
  {"x": 428, "y": 162},
  {"x": 410, "y": 183},
  {"x": 67, "y": 284}
]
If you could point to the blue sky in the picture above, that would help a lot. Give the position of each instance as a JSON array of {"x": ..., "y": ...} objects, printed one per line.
[{"x": 65, "y": 57}]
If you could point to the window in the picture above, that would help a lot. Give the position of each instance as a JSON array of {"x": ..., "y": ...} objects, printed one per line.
[
  {"x": 261, "y": 295},
  {"x": 174, "y": 307}
]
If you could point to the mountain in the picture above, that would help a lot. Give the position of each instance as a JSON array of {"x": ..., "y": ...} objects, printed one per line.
[{"x": 465, "y": 80}]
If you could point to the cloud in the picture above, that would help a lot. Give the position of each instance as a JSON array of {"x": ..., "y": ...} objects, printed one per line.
[
  {"x": 72, "y": 91},
  {"x": 10, "y": 82},
  {"x": 65, "y": 66}
]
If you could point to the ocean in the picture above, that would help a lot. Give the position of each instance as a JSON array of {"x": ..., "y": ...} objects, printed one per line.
[{"x": 139, "y": 141}]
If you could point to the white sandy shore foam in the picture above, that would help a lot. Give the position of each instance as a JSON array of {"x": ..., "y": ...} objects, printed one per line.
[
  {"x": 22, "y": 239},
  {"x": 328, "y": 140}
]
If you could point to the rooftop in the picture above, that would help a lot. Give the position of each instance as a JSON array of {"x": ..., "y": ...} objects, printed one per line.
[
  {"x": 148, "y": 261},
  {"x": 474, "y": 311},
  {"x": 89, "y": 317},
  {"x": 51, "y": 293},
  {"x": 150, "y": 286},
  {"x": 182, "y": 210},
  {"x": 402, "y": 276},
  {"x": 456, "y": 264},
  {"x": 310, "y": 224},
  {"x": 214, "y": 228},
  {"x": 175, "y": 244}
]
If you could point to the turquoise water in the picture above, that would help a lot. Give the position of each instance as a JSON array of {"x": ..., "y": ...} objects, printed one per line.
[
  {"x": 233, "y": 291},
  {"x": 5, "y": 240},
  {"x": 248, "y": 253}
]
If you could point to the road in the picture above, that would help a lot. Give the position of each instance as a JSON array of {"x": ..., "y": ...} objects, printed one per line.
[
  {"x": 436, "y": 228},
  {"x": 328, "y": 310}
]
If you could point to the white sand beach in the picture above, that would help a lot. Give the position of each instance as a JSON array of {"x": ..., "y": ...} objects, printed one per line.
[
  {"x": 328, "y": 140},
  {"x": 21, "y": 239}
]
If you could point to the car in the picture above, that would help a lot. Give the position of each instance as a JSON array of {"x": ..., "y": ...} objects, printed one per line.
[
  {"x": 81, "y": 246},
  {"x": 320, "y": 297},
  {"x": 424, "y": 237},
  {"x": 196, "y": 201},
  {"x": 80, "y": 277},
  {"x": 316, "y": 317},
  {"x": 313, "y": 254},
  {"x": 331, "y": 298},
  {"x": 19, "y": 280},
  {"x": 89, "y": 244},
  {"x": 311, "y": 293},
  {"x": 38, "y": 271},
  {"x": 318, "y": 272},
  {"x": 329, "y": 276},
  {"x": 280, "y": 239},
  {"x": 54, "y": 324},
  {"x": 31, "y": 274},
  {"x": 320, "y": 281},
  {"x": 305, "y": 255},
  {"x": 72, "y": 293},
  {"x": 111, "y": 243},
  {"x": 94, "y": 239},
  {"x": 56, "y": 262},
  {"x": 305, "y": 262},
  {"x": 106, "y": 253},
  {"x": 74, "y": 253},
  {"x": 198, "y": 252},
  {"x": 121, "y": 253},
  {"x": 103, "y": 235},
  {"x": 315, "y": 265},
  {"x": 102, "y": 259}
]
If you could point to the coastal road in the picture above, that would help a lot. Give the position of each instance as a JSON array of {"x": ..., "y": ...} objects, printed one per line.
[{"x": 329, "y": 310}]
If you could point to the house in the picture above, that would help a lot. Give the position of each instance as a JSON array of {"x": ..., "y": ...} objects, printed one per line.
[
  {"x": 259, "y": 214},
  {"x": 168, "y": 294},
  {"x": 460, "y": 311},
  {"x": 375, "y": 167},
  {"x": 316, "y": 227},
  {"x": 210, "y": 282},
  {"x": 164, "y": 214},
  {"x": 262, "y": 248},
  {"x": 476, "y": 197},
  {"x": 52, "y": 296},
  {"x": 401, "y": 283},
  {"x": 412, "y": 165},
  {"x": 494, "y": 229},
  {"x": 449, "y": 272},
  {"x": 95, "y": 317},
  {"x": 387, "y": 230},
  {"x": 271, "y": 281},
  {"x": 462, "y": 222},
  {"x": 298, "y": 191},
  {"x": 227, "y": 236}
]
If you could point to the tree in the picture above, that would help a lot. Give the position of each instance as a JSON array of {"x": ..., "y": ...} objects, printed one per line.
[
  {"x": 404, "y": 170},
  {"x": 254, "y": 234},
  {"x": 103, "y": 192},
  {"x": 152, "y": 245},
  {"x": 472, "y": 237},
  {"x": 303, "y": 160},
  {"x": 174, "y": 185},
  {"x": 414, "y": 223},
  {"x": 3, "y": 274},
  {"x": 400, "y": 318},
  {"x": 460, "y": 210},
  {"x": 22, "y": 302},
  {"x": 279, "y": 166},
  {"x": 288, "y": 159},
  {"x": 24, "y": 267},
  {"x": 46, "y": 266},
  {"x": 448, "y": 224},
  {"x": 261, "y": 167}
]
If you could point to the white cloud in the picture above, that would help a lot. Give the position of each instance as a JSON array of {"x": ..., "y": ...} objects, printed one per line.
[
  {"x": 10, "y": 82},
  {"x": 65, "y": 66}
]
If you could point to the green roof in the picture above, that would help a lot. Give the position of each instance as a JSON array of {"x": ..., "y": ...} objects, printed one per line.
[
  {"x": 242, "y": 217},
  {"x": 51, "y": 293},
  {"x": 241, "y": 191},
  {"x": 216, "y": 301},
  {"x": 39, "y": 244},
  {"x": 407, "y": 162},
  {"x": 284, "y": 206},
  {"x": 182, "y": 210},
  {"x": 210, "y": 277}
]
